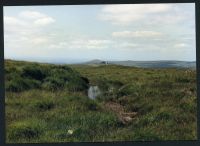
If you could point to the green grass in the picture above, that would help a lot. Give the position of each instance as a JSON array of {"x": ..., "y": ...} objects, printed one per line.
[
  {"x": 26, "y": 130},
  {"x": 44, "y": 102}
]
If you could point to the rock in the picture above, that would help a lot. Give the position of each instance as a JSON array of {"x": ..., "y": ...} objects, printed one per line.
[
  {"x": 128, "y": 119},
  {"x": 93, "y": 92}
]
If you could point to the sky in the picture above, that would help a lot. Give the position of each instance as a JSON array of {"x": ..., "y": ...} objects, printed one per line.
[{"x": 78, "y": 33}]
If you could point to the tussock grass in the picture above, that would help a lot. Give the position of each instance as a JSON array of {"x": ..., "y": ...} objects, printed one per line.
[
  {"x": 26, "y": 130},
  {"x": 49, "y": 103}
]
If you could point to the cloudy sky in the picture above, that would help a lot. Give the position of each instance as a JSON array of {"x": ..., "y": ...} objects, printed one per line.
[{"x": 109, "y": 32}]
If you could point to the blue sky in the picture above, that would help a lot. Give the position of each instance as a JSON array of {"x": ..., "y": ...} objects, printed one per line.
[{"x": 79, "y": 33}]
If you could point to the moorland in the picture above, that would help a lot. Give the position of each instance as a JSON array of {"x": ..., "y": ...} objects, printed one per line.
[{"x": 49, "y": 103}]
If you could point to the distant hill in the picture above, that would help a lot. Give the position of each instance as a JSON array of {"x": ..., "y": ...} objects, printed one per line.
[
  {"x": 95, "y": 61},
  {"x": 147, "y": 64}
]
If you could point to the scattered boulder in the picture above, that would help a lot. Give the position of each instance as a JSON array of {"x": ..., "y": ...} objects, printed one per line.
[{"x": 93, "y": 92}]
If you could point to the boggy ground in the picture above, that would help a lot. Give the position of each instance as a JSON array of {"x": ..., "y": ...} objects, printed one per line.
[{"x": 49, "y": 103}]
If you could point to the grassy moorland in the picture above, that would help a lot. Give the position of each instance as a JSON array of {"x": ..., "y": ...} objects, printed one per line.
[{"x": 49, "y": 103}]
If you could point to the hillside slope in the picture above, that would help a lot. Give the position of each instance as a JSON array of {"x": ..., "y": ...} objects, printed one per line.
[{"x": 148, "y": 64}]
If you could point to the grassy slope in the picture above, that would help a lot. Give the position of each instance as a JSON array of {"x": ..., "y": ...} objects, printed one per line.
[{"x": 164, "y": 99}]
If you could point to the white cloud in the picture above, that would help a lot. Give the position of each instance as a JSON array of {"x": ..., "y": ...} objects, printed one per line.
[
  {"x": 26, "y": 30},
  {"x": 168, "y": 19},
  {"x": 180, "y": 45},
  {"x": 140, "y": 28},
  {"x": 26, "y": 20},
  {"x": 127, "y": 46},
  {"x": 90, "y": 44},
  {"x": 97, "y": 44},
  {"x": 8, "y": 21},
  {"x": 58, "y": 45},
  {"x": 37, "y": 18},
  {"x": 125, "y": 14},
  {"x": 130, "y": 34},
  {"x": 44, "y": 21},
  {"x": 39, "y": 40},
  {"x": 31, "y": 15}
]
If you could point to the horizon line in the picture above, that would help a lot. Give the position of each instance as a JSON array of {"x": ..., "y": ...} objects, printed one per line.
[{"x": 78, "y": 62}]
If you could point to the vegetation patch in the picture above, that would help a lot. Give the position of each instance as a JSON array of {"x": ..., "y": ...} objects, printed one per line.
[
  {"x": 49, "y": 103},
  {"x": 26, "y": 129},
  {"x": 42, "y": 105}
]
